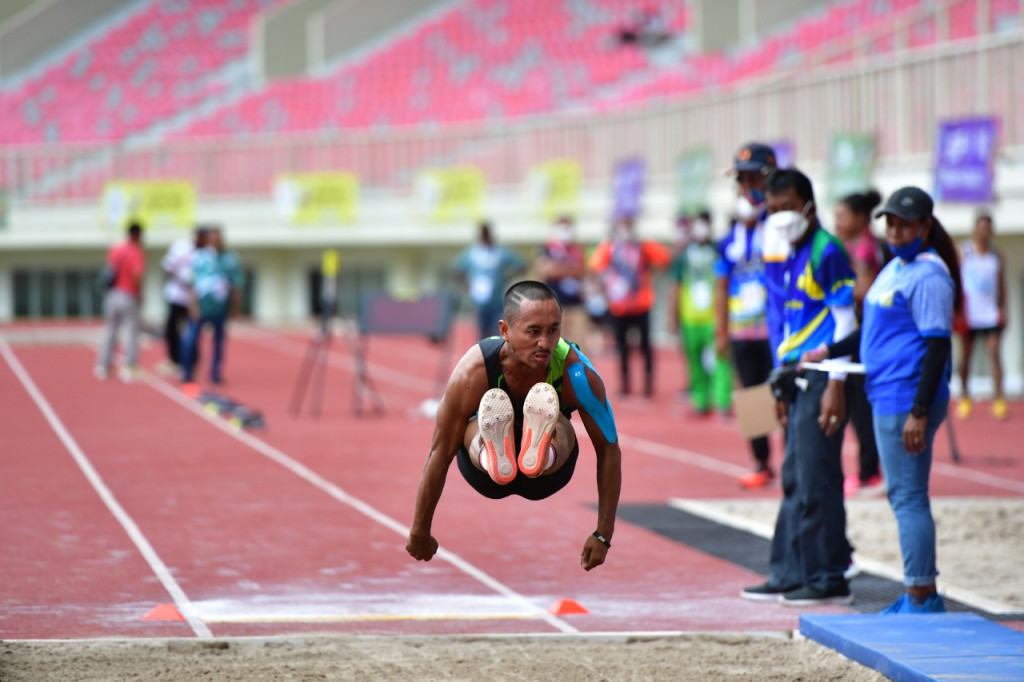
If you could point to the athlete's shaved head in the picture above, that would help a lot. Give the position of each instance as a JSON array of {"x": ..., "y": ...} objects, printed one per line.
[{"x": 528, "y": 290}]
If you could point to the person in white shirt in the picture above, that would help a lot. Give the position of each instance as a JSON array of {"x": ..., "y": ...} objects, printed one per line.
[
  {"x": 177, "y": 266},
  {"x": 985, "y": 310}
]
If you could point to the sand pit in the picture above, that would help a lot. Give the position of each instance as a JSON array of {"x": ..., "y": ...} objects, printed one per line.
[{"x": 704, "y": 657}]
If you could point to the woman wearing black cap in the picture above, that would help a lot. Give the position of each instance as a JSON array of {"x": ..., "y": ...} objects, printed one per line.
[{"x": 905, "y": 346}]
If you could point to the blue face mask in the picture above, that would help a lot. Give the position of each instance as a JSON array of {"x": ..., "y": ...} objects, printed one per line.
[
  {"x": 755, "y": 196},
  {"x": 908, "y": 251}
]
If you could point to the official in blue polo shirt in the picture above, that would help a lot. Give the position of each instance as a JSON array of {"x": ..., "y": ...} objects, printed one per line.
[
  {"x": 810, "y": 551},
  {"x": 905, "y": 347}
]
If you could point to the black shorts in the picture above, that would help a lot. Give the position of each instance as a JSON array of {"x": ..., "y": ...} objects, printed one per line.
[
  {"x": 975, "y": 332},
  {"x": 531, "y": 488}
]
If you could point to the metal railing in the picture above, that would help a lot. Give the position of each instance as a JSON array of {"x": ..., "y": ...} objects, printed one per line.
[{"x": 899, "y": 97}]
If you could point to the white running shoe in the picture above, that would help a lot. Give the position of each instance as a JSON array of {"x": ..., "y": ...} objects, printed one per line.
[
  {"x": 496, "y": 419},
  {"x": 540, "y": 415}
]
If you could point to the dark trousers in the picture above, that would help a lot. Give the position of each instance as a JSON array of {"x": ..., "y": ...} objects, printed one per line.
[
  {"x": 809, "y": 548},
  {"x": 621, "y": 324},
  {"x": 753, "y": 362},
  {"x": 859, "y": 409},
  {"x": 190, "y": 346},
  {"x": 177, "y": 322}
]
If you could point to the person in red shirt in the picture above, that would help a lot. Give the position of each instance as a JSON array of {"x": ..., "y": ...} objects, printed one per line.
[
  {"x": 121, "y": 304},
  {"x": 626, "y": 266}
]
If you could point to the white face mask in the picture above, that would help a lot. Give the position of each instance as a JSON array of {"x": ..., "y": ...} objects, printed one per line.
[
  {"x": 562, "y": 234},
  {"x": 791, "y": 225},
  {"x": 700, "y": 230},
  {"x": 746, "y": 212}
]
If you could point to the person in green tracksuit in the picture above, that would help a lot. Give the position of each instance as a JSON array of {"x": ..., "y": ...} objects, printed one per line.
[{"x": 693, "y": 272}]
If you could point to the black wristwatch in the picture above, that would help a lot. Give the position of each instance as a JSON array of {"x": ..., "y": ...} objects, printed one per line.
[{"x": 919, "y": 411}]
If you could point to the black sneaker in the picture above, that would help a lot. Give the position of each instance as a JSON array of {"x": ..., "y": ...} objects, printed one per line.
[
  {"x": 808, "y": 596},
  {"x": 764, "y": 592}
]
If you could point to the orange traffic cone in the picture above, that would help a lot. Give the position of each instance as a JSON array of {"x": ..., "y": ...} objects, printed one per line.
[{"x": 567, "y": 607}]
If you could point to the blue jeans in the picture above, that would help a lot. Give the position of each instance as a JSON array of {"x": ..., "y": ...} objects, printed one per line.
[
  {"x": 190, "y": 344},
  {"x": 906, "y": 480},
  {"x": 487, "y": 318},
  {"x": 809, "y": 547}
]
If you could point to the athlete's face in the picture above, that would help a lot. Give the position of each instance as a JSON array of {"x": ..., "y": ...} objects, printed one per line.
[{"x": 533, "y": 335}]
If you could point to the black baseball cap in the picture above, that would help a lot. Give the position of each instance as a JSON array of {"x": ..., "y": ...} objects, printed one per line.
[
  {"x": 754, "y": 156},
  {"x": 909, "y": 203}
]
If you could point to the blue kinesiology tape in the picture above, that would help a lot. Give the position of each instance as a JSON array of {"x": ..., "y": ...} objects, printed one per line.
[{"x": 598, "y": 409}]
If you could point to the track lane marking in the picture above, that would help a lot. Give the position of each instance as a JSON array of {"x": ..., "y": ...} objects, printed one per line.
[
  {"x": 277, "y": 342},
  {"x": 156, "y": 564},
  {"x": 318, "y": 481}
]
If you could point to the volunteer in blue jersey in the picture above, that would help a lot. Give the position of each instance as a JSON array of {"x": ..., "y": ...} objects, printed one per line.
[
  {"x": 505, "y": 419},
  {"x": 810, "y": 551},
  {"x": 905, "y": 347},
  {"x": 740, "y": 302}
]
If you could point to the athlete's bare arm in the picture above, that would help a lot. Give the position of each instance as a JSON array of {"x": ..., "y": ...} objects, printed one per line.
[
  {"x": 592, "y": 403},
  {"x": 466, "y": 386}
]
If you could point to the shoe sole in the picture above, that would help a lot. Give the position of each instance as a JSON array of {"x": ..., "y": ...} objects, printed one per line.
[
  {"x": 540, "y": 416},
  {"x": 826, "y": 601},
  {"x": 755, "y": 596},
  {"x": 496, "y": 428}
]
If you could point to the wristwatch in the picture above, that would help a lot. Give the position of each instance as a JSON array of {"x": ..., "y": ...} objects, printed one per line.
[{"x": 919, "y": 411}]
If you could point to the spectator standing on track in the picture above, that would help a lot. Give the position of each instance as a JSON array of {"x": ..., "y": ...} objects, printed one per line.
[
  {"x": 906, "y": 349},
  {"x": 521, "y": 388},
  {"x": 122, "y": 302},
  {"x": 867, "y": 256},
  {"x": 626, "y": 266},
  {"x": 741, "y": 295},
  {"x": 216, "y": 285},
  {"x": 562, "y": 266},
  {"x": 484, "y": 267},
  {"x": 177, "y": 266},
  {"x": 984, "y": 285},
  {"x": 693, "y": 270},
  {"x": 810, "y": 551}
]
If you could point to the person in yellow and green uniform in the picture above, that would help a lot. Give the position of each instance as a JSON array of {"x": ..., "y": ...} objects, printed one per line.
[{"x": 693, "y": 270}]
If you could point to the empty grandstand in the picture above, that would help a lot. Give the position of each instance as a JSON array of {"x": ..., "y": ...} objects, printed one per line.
[{"x": 243, "y": 101}]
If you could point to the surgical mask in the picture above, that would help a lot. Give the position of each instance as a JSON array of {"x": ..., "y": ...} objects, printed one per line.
[
  {"x": 700, "y": 230},
  {"x": 746, "y": 212},
  {"x": 790, "y": 224},
  {"x": 562, "y": 234},
  {"x": 908, "y": 252}
]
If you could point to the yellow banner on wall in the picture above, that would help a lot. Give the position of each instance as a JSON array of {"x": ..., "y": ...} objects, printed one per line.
[
  {"x": 309, "y": 198},
  {"x": 445, "y": 195},
  {"x": 554, "y": 188},
  {"x": 154, "y": 203}
]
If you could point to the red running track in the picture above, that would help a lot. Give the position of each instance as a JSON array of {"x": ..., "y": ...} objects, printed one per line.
[{"x": 117, "y": 498}]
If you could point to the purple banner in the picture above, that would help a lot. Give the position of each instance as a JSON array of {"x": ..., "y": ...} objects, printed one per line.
[
  {"x": 628, "y": 187},
  {"x": 964, "y": 169},
  {"x": 785, "y": 153}
]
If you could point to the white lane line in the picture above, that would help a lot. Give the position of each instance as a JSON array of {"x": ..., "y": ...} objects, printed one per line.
[
  {"x": 370, "y": 617},
  {"x": 399, "y": 378},
  {"x": 655, "y": 449},
  {"x": 960, "y": 472},
  {"x": 159, "y": 568},
  {"x": 316, "y": 480}
]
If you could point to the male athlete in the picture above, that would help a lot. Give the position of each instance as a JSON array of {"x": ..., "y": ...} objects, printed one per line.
[{"x": 505, "y": 418}]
